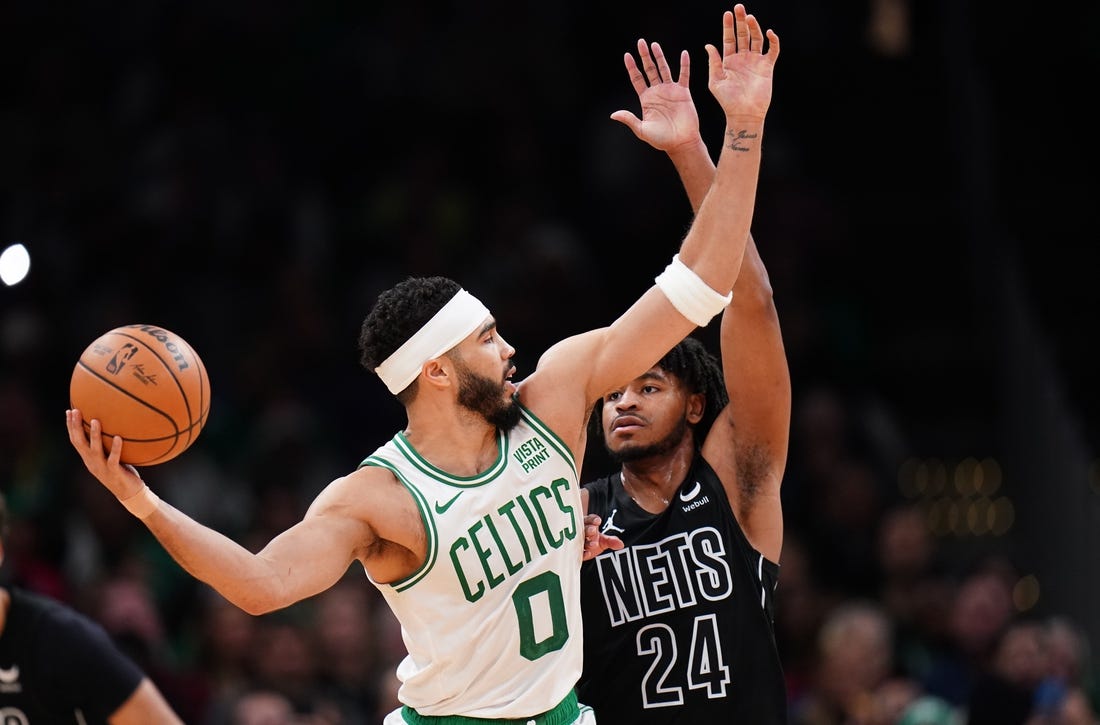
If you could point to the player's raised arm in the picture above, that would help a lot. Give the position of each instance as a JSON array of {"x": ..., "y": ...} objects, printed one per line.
[
  {"x": 752, "y": 434},
  {"x": 754, "y": 362},
  {"x": 696, "y": 285}
]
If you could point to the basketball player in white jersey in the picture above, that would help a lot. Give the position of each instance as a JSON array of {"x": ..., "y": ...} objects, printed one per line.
[{"x": 470, "y": 520}]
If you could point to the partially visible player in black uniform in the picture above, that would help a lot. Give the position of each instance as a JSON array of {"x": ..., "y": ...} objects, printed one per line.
[
  {"x": 678, "y": 625},
  {"x": 58, "y": 667}
]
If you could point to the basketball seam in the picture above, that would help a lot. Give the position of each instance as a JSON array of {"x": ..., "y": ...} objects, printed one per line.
[
  {"x": 169, "y": 368},
  {"x": 128, "y": 394},
  {"x": 143, "y": 440}
]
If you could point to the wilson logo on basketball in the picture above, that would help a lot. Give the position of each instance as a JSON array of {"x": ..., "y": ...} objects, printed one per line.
[{"x": 165, "y": 338}]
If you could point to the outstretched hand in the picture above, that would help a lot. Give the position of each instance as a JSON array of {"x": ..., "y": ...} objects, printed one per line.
[
  {"x": 102, "y": 458},
  {"x": 741, "y": 76},
  {"x": 669, "y": 118},
  {"x": 595, "y": 543}
]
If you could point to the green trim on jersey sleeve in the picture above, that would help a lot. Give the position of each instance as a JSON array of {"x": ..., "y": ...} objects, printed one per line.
[{"x": 425, "y": 516}]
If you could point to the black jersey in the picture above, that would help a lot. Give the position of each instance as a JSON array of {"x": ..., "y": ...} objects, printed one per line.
[
  {"x": 58, "y": 666},
  {"x": 678, "y": 625}
]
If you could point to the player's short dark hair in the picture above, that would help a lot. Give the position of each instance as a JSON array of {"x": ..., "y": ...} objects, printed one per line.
[
  {"x": 699, "y": 371},
  {"x": 398, "y": 313}
]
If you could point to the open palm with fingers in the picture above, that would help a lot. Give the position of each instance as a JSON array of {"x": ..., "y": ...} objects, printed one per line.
[
  {"x": 669, "y": 118},
  {"x": 741, "y": 76}
]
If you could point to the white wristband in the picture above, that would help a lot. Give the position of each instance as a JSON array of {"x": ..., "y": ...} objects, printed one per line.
[
  {"x": 689, "y": 294},
  {"x": 141, "y": 504}
]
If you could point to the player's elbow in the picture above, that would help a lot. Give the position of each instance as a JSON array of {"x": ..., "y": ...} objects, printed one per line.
[
  {"x": 255, "y": 608},
  {"x": 754, "y": 293},
  {"x": 257, "y": 599},
  {"x": 258, "y": 604}
]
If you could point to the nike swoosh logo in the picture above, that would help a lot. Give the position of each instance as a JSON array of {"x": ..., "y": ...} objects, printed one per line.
[
  {"x": 9, "y": 676},
  {"x": 442, "y": 509},
  {"x": 688, "y": 495}
]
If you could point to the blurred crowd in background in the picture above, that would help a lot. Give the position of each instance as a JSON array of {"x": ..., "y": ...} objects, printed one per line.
[{"x": 251, "y": 175}]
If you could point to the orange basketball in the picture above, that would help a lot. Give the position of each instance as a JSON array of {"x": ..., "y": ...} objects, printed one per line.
[{"x": 147, "y": 385}]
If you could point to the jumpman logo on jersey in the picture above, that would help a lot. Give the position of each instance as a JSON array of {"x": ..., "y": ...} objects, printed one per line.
[{"x": 609, "y": 524}]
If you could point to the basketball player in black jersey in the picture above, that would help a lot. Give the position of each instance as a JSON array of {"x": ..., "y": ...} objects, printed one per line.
[
  {"x": 678, "y": 624},
  {"x": 58, "y": 666}
]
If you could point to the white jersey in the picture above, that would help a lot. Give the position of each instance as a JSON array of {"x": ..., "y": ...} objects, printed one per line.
[{"x": 492, "y": 619}]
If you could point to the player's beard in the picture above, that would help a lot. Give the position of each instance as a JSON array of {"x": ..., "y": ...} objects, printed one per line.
[
  {"x": 484, "y": 396},
  {"x": 631, "y": 452}
]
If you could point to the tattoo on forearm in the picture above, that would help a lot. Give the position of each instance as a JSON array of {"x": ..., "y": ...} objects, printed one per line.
[{"x": 737, "y": 139}]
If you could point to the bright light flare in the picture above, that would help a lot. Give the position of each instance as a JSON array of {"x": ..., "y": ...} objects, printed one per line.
[{"x": 15, "y": 262}]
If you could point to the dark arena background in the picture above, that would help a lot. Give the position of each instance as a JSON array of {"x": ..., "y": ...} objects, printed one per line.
[{"x": 250, "y": 175}]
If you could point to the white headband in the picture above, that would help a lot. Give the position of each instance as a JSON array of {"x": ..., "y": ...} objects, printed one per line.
[{"x": 462, "y": 314}]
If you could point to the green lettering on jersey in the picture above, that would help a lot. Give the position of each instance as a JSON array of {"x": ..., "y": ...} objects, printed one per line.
[
  {"x": 531, "y": 520},
  {"x": 543, "y": 492},
  {"x": 559, "y": 486},
  {"x": 548, "y": 583},
  {"x": 506, "y": 510},
  {"x": 508, "y": 564},
  {"x": 484, "y": 554},
  {"x": 471, "y": 596},
  {"x": 548, "y": 518}
]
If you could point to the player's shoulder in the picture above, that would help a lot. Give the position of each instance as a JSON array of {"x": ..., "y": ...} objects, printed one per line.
[
  {"x": 39, "y": 605},
  {"x": 371, "y": 469},
  {"x": 560, "y": 364},
  {"x": 49, "y": 620},
  {"x": 364, "y": 486},
  {"x": 363, "y": 480}
]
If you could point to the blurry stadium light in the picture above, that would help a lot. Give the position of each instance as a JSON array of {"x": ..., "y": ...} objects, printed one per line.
[
  {"x": 958, "y": 498},
  {"x": 990, "y": 476},
  {"x": 1025, "y": 594},
  {"x": 977, "y": 516},
  {"x": 967, "y": 475},
  {"x": 1001, "y": 516},
  {"x": 15, "y": 262}
]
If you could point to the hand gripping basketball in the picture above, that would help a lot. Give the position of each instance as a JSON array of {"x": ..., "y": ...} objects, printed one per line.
[{"x": 145, "y": 384}]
